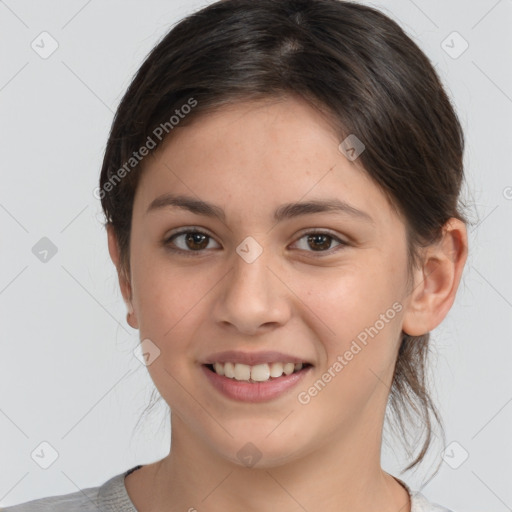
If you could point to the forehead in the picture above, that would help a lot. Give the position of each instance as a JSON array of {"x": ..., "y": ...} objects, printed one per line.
[{"x": 256, "y": 155}]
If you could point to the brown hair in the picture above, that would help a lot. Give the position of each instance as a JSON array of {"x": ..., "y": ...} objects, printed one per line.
[{"x": 354, "y": 64}]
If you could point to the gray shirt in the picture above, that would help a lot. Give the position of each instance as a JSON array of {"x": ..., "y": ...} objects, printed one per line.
[{"x": 113, "y": 497}]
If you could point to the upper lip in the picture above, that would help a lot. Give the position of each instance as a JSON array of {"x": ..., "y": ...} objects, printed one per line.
[{"x": 252, "y": 358}]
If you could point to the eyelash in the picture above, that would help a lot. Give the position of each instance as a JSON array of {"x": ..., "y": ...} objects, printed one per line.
[{"x": 316, "y": 254}]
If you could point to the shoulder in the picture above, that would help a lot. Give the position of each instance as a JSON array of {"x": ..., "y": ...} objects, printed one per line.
[
  {"x": 83, "y": 501},
  {"x": 109, "y": 497},
  {"x": 420, "y": 503}
]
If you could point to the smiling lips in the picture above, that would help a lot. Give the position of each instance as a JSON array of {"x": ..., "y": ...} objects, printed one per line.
[
  {"x": 254, "y": 376},
  {"x": 254, "y": 366},
  {"x": 252, "y": 390},
  {"x": 257, "y": 373}
]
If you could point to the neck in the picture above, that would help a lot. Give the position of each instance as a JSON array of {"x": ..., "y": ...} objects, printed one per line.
[{"x": 341, "y": 476}]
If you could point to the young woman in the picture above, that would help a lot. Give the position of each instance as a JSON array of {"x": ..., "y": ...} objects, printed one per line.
[{"x": 281, "y": 188}]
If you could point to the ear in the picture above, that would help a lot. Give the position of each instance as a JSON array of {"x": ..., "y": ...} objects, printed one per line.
[
  {"x": 124, "y": 281},
  {"x": 436, "y": 283}
]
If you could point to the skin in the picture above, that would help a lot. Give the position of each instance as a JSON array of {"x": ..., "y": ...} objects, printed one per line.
[{"x": 249, "y": 159}]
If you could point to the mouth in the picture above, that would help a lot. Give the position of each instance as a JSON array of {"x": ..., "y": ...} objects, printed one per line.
[
  {"x": 265, "y": 372},
  {"x": 257, "y": 383}
]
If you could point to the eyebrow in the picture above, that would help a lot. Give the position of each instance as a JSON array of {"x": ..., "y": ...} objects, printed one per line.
[{"x": 285, "y": 211}]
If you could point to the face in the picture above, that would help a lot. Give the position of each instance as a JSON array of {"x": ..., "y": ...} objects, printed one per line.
[{"x": 323, "y": 286}]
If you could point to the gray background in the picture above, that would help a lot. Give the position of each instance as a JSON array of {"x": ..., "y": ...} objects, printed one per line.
[{"x": 68, "y": 374}]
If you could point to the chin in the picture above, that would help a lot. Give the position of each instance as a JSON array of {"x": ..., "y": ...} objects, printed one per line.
[{"x": 260, "y": 452}]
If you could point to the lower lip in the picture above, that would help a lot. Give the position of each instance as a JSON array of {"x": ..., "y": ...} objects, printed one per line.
[{"x": 254, "y": 392}]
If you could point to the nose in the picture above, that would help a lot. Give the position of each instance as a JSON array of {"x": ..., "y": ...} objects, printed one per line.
[{"x": 253, "y": 297}]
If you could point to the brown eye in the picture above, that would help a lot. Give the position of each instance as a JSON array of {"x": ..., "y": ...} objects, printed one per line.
[
  {"x": 196, "y": 241},
  {"x": 320, "y": 242},
  {"x": 189, "y": 240}
]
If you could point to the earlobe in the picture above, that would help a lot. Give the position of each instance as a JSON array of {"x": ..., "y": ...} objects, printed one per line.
[{"x": 436, "y": 283}]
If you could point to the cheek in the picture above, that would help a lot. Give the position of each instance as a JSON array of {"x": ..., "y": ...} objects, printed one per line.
[
  {"x": 168, "y": 297},
  {"x": 357, "y": 318},
  {"x": 348, "y": 300},
  {"x": 170, "y": 309}
]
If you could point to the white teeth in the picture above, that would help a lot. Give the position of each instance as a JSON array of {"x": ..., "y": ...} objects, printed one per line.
[
  {"x": 276, "y": 369},
  {"x": 260, "y": 372},
  {"x": 242, "y": 372},
  {"x": 288, "y": 368},
  {"x": 229, "y": 370},
  {"x": 256, "y": 373}
]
